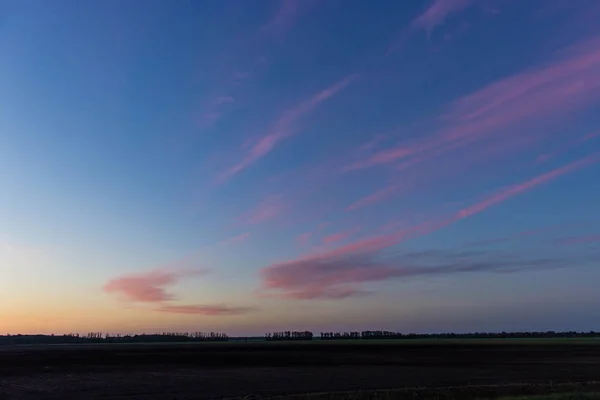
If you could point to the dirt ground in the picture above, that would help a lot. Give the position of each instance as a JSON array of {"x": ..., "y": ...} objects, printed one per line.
[{"x": 229, "y": 370}]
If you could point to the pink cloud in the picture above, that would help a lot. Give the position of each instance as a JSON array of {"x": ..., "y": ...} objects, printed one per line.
[
  {"x": 285, "y": 16},
  {"x": 212, "y": 111},
  {"x": 339, "y": 278},
  {"x": 434, "y": 15},
  {"x": 208, "y": 118},
  {"x": 339, "y": 236},
  {"x": 382, "y": 157},
  {"x": 531, "y": 232},
  {"x": 268, "y": 209},
  {"x": 303, "y": 238},
  {"x": 236, "y": 239},
  {"x": 323, "y": 292},
  {"x": 322, "y": 278},
  {"x": 209, "y": 309},
  {"x": 342, "y": 270},
  {"x": 371, "y": 144},
  {"x": 567, "y": 76},
  {"x": 522, "y": 187},
  {"x": 437, "y": 12},
  {"x": 570, "y": 82},
  {"x": 463, "y": 28},
  {"x": 150, "y": 286},
  {"x": 581, "y": 240},
  {"x": 591, "y": 136},
  {"x": 284, "y": 127},
  {"x": 545, "y": 157},
  {"x": 373, "y": 198}
]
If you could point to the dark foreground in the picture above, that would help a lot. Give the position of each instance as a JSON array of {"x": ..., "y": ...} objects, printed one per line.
[{"x": 228, "y": 370}]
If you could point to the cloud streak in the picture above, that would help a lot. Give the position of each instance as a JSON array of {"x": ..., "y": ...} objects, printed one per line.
[
  {"x": 339, "y": 272},
  {"x": 236, "y": 239},
  {"x": 571, "y": 81},
  {"x": 428, "y": 20},
  {"x": 285, "y": 127},
  {"x": 339, "y": 236},
  {"x": 545, "y": 157},
  {"x": 268, "y": 208},
  {"x": 151, "y": 288},
  {"x": 582, "y": 240},
  {"x": 343, "y": 277},
  {"x": 374, "y": 198},
  {"x": 303, "y": 239},
  {"x": 285, "y": 17},
  {"x": 148, "y": 287},
  {"x": 569, "y": 76},
  {"x": 527, "y": 233},
  {"x": 437, "y": 12},
  {"x": 525, "y": 186}
]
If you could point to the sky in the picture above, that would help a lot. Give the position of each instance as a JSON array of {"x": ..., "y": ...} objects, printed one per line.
[{"x": 250, "y": 166}]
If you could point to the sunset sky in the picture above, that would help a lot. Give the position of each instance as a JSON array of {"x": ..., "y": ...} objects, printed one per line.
[{"x": 249, "y": 166}]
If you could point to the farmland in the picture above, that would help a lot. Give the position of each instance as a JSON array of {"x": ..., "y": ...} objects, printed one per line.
[{"x": 236, "y": 368}]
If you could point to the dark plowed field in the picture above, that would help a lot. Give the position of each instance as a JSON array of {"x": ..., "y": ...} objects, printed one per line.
[{"x": 199, "y": 371}]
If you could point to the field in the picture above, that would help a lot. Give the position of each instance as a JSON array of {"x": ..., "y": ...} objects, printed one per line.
[{"x": 461, "y": 368}]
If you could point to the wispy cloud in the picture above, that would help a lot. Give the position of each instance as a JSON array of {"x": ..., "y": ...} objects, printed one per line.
[
  {"x": 591, "y": 136},
  {"x": 285, "y": 16},
  {"x": 236, "y": 239},
  {"x": 522, "y": 234},
  {"x": 338, "y": 273},
  {"x": 428, "y": 20},
  {"x": 210, "y": 309},
  {"x": 569, "y": 77},
  {"x": 212, "y": 111},
  {"x": 581, "y": 240},
  {"x": 208, "y": 118},
  {"x": 437, "y": 12},
  {"x": 280, "y": 23},
  {"x": 374, "y": 142},
  {"x": 148, "y": 287},
  {"x": 151, "y": 288},
  {"x": 373, "y": 198},
  {"x": 545, "y": 157},
  {"x": 304, "y": 238},
  {"x": 338, "y": 278},
  {"x": 269, "y": 208},
  {"x": 525, "y": 186},
  {"x": 284, "y": 127},
  {"x": 570, "y": 82},
  {"x": 339, "y": 236}
]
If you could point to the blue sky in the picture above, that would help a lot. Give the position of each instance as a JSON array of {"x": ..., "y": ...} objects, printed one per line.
[{"x": 298, "y": 164}]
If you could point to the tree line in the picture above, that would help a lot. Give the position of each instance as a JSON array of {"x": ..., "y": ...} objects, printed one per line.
[
  {"x": 360, "y": 335},
  {"x": 98, "y": 337},
  {"x": 472, "y": 335},
  {"x": 289, "y": 335}
]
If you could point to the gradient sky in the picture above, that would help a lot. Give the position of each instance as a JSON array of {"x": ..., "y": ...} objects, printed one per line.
[{"x": 247, "y": 166}]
